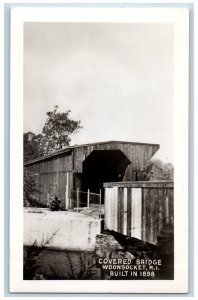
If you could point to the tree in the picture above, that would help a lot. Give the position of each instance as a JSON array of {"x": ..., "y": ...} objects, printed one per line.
[
  {"x": 31, "y": 147},
  {"x": 57, "y": 131},
  {"x": 55, "y": 135},
  {"x": 156, "y": 170}
]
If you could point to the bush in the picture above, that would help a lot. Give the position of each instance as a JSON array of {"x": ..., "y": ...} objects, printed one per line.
[
  {"x": 54, "y": 203},
  {"x": 30, "y": 189},
  {"x": 157, "y": 170},
  {"x": 30, "y": 256}
]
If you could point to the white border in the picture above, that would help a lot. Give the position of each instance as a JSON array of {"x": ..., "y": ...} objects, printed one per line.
[
  {"x": 1, "y": 150},
  {"x": 177, "y": 16}
]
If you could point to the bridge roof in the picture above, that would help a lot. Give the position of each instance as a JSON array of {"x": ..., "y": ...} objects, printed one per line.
[{"x": 70, "y": 148}]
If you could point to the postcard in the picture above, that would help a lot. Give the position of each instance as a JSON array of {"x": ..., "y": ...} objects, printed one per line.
[{"x": 99, "y": 150}]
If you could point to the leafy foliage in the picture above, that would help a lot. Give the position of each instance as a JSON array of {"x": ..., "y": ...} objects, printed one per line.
[
  {"x": 84, "y": 270},
  {"x": 157, "y": 170},
  {"x": 30, "y": 189},
  {"x": 31, "y": 254},
  {"x": 31, "y": 148},
  {"x": 80, "y": 268},
  {"x": 55, "y": 135},
  {"x": 57, "y": 130},
  {"x": 54, "y": 203}
]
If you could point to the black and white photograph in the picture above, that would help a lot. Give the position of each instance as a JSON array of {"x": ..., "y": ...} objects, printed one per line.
[{"x": 98, "y": 151}]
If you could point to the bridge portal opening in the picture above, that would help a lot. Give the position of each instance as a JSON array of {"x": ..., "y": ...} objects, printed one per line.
[{"x": 103, "y": 166}]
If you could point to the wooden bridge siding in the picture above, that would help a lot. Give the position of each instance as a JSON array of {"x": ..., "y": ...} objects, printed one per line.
[
  {"x": 52, "y": 175},
  {"x": 138, "y": 154},
  {"x": 52, "y": 184},
  {"x": 141, "y": 211},
  {"x": 52, "y": 170},
  {"x": 56, "y": 164},
  {"x": 153, "y": 209}
]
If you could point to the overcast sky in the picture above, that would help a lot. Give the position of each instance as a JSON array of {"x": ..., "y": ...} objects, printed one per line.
[{"x": 116, "y": 78}]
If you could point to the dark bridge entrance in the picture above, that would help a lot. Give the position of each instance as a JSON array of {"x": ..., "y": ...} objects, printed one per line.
[{"x": 103, "y": 166}]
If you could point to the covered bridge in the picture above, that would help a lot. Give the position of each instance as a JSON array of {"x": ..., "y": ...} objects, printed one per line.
[{"x": 88, "y": 166}]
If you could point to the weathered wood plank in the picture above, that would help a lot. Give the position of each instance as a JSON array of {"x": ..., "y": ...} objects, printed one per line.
[
  {"x": 148, "y": 214},
  {"x": 146, "y": 211},
  {"x": 120, "y": 211},
  {"x": 108, "y": 195},
  {"x": 125, "y": 211},
  {"x": 141, "y": 184},
  {"x": 110, "y": 221},
  {"x": 115, "y": 207},
  {"x": 143, "y": 235},
  {"x": 171, "y": 206},
  {"x": 129, "y": 200},
  {"x": 145, "y": 220},
  {"x": 151, "y": 204},
  {"x": 167, "y": 207},
  {"x": 155, "y": 215},
  {"x": 162, "y": 196},
  {"x": 136, "y": 210},
  {"x": 67, "y": 191}
]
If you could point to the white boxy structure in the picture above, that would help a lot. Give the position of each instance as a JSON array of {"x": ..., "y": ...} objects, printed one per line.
[{"x": 63, "y": 229}]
